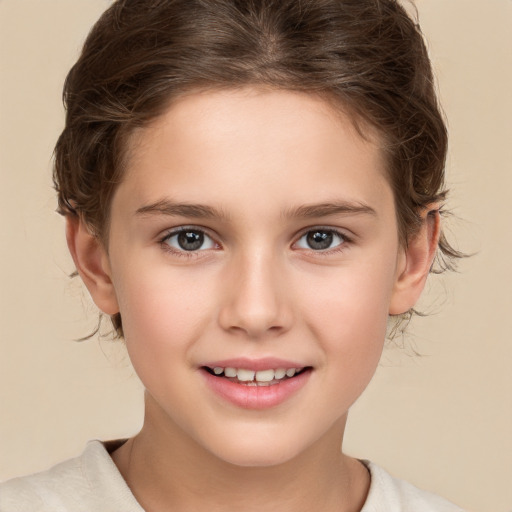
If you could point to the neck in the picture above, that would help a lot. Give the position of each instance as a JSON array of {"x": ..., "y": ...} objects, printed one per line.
[{"x": 167, "y": 470}]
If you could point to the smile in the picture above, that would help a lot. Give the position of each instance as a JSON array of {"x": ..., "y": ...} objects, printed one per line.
[
  {"x": 255, "y": 384},
  {"x": 248, "y": 377}
]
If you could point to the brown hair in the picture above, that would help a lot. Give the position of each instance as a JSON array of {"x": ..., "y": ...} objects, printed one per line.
[{"x": 367, "y": 55}]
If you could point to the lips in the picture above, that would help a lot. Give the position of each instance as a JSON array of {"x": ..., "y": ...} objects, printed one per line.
[{"x": 255, "y": 384}]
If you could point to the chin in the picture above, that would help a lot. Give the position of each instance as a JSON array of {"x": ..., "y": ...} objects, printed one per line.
[{"x": 260, "y": 451}]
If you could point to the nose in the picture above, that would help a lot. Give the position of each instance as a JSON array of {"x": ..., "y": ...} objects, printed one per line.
[{"x": 256, "y": 300}]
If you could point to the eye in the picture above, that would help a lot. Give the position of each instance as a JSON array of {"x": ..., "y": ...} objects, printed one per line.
[
  {"x": 189, "y": 239},
  {"x": 320, "y": 239}
]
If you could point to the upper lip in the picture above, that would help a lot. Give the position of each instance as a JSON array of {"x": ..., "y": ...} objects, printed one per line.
[{"x": 265, "y": 363}]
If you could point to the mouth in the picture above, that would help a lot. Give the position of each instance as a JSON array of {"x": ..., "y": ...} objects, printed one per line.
[
  {"x": 260, "y": 378},
  {"x": 260, "y": 383}
]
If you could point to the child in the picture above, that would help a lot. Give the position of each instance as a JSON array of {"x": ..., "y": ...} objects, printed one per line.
[{"x": 251, "y": 188}]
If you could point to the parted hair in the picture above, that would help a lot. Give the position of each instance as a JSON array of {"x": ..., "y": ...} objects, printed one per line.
[{"x": 366, "y": 57}]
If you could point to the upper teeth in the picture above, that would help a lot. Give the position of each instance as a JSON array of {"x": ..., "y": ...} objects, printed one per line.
[{"x": 245, "y": 375}]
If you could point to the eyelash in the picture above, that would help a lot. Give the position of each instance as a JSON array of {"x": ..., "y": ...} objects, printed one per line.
[
  {"x": 345, "y": 240},
  {"x": 183, "y": 253}
]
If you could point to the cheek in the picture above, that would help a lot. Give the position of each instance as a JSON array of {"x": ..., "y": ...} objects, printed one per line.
[
  {"x": 348, "y": 316},
  {"x": 163, "y": 312},
  {"x": 351, "y": 301}
]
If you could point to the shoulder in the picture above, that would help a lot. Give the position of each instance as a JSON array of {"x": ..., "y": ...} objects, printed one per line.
[
  {"x": 389, "y": 494},
  {"x": 85, "y": 483}
]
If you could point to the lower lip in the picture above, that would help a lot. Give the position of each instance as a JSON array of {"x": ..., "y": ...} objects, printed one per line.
[{"x": 256, "y": 397}]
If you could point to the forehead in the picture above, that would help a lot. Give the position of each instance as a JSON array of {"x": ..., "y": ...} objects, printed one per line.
[
  {"x": 211, "y": 142},
  {"x": 239, "y": 111}
]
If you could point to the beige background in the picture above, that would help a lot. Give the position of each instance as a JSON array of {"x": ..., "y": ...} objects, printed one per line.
[{"x": 443, "y": 421}]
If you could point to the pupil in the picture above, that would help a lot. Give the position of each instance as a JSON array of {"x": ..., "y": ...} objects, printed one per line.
[
  {"x": 190, "y": 240},
  {"x": 319, "y": 239}
]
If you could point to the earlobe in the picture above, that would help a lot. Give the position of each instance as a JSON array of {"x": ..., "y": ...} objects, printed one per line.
[
  {"x": 92, "y": 264},
  {"x": 416, "y": 261}
]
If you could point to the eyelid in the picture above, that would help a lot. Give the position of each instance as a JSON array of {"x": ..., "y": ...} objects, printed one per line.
[
  {"x": 347, "y": 239},
  {"x": 342, "y": 233},
  {"x": 169, "y": 233},
  {"x": 185, "y": 227}
]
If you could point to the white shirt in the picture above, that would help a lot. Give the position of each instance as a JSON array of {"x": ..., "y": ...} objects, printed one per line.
[{"x": 92, "y": 482}]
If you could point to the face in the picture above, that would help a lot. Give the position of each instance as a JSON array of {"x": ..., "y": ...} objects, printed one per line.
[{"x": 253, "y": 236}]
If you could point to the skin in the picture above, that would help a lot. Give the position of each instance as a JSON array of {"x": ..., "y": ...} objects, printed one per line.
[{"x": 256, "y": 289}]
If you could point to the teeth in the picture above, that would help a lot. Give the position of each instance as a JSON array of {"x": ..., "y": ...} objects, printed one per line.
[
  {"x": 265, "y": 375},
  {"x": 280, "y": 373},
  {"x": 230, "y": 372},
  {"x": 262, "y": 377},
  {"x": 245, "y": 375}
]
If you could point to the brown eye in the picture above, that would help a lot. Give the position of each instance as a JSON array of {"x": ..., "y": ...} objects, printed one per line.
[
  {"x": 320, "y": 240},
  {"x": 189, "y": 240}
]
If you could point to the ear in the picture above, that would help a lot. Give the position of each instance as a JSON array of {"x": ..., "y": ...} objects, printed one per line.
[
  {"x": 415, "y": 263},
  {"x": 91, "y": 261}
]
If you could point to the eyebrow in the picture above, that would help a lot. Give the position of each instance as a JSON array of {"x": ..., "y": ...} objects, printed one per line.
[
  {"x": 331, "y": 208},
  {"x": 170, "y": 208},
  {"x": 201, "y": 211}
]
